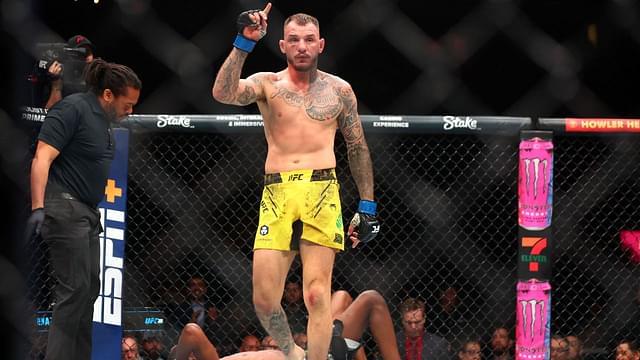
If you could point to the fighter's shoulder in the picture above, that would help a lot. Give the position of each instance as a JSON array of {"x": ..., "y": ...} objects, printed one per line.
[
  {"x": 335, "y": 80},
  {"x": 337, "y": 83},
  {"x": 264, "y": 77}
]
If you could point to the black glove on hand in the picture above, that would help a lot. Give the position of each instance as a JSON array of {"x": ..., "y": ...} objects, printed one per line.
[
  {"x": 250, "y": 30},
  {"x": 34, "y": 224},
  {"x": 364, "y": 222},
  {"x": 244, "y": 20}
]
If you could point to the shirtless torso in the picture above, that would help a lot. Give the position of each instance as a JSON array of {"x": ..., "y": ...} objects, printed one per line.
[{"x": 300, "y": 122}]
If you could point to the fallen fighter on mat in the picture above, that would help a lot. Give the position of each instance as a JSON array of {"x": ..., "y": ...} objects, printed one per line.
[{"x": 351, "y": 319}]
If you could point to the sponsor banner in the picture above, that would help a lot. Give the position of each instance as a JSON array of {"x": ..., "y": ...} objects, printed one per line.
[
  {"x": 34, "y": 114},
  {"x": 592, "y": 126},
  {"x": 107, "y": 309},
  {"x": 534, "y": 254},
  {"x": 602, "y": 125},
  {"x": 535, "y": 183},
  {"x": 253, "y": 123},
  {"x": 533, "y": 320}
]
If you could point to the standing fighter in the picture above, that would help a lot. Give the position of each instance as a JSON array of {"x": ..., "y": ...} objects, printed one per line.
[
  {"x": 68, "y": 175},
  {"x": 300, "y": 209}
]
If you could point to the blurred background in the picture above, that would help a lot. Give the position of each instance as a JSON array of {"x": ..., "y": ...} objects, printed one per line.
[
  {"x": 489, "y": 57},
  {"x": 492, "y": 57}
]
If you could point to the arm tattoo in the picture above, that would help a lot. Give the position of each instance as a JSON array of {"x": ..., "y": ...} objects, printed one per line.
[
  {"x": 247, "y": 97},
  {"x": 277, "y": 326},
  {"x": 357, "y": 149},
  {"x": 228, "y": 81}
]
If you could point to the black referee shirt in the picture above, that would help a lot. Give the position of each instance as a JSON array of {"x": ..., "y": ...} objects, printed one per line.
[{"x": 78, "y": 127}]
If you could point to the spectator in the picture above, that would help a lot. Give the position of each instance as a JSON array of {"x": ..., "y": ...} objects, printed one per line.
[
  {"x": 293, "y": 305},
  {"x": 559, "y": 348},
  {"x": 449, "y": 320},
  {"x": 627, "y": 350},
  {"x": 501, "y": 344},
  {"x": 301, "y": 340},
  {"x": 153, "y": 348},
  {"x": 130, "y": 349},
  {"x": 249, "y": 343},
  {"x": 195, "y": 309},
  {"x": 470, "y": 350},
  {"x": 575, "y": 347},
  {"x": 413, "y": 341}
]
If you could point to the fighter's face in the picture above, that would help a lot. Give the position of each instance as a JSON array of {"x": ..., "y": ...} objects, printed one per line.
[{"x": 302, "y": 45}]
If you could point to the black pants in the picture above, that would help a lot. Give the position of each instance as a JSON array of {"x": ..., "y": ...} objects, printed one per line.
[{"x": 71, "y": 230}]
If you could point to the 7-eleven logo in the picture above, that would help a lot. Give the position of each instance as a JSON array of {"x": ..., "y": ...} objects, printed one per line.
[{"x": 534, "y": 258}]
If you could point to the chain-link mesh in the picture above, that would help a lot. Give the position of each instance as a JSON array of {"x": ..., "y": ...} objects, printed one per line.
[
  {"x": 447, "y": 205},
  {"x": 448, "y": 209},
  {"x": 596, "y": 292}
]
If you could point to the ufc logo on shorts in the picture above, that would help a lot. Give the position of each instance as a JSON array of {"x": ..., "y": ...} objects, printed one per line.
[
  {"x": 295, "y": 177},
  {"x": 376, "y": 229}
]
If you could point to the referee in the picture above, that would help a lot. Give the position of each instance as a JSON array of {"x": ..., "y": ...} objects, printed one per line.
[{"x": 68, "y": 176}]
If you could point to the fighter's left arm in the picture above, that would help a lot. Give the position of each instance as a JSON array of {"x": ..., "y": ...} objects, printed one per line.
[{"x": 357, "y": 149}]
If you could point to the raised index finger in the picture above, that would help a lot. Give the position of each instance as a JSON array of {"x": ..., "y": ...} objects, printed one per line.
[{"x": 267, "y": 8}]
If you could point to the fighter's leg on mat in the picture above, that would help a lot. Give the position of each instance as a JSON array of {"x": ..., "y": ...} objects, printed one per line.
[
  {"x": 193, "y": 339},
  {"x": 370, "y": 309},
  {"x": 317, "y": 267},
  {"x": 340, "y": 301},
  {"x": 270, "y": 269}
]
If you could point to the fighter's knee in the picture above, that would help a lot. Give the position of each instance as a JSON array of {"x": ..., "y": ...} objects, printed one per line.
[
  {"x": 342, "y": 297},
  {"x": 317, "y": 294},
  {"x": 373, "y": 297},
  {"x": 191, "y": 330}
]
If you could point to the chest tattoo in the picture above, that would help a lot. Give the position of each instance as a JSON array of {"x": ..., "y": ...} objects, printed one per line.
[{"x": 320, "y": 103}]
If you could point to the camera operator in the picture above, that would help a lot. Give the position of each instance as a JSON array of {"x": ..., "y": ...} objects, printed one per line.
[{"x": 50, "y": 86}]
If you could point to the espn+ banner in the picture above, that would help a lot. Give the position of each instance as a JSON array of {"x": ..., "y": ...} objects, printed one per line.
[
  {"x": 533, "y": 320},
  {"x": 107, "y": 310}
]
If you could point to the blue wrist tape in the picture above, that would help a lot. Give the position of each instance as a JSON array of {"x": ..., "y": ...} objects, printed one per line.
[
  {"x": 367, "y": 207},
  {"x": 244, "y": 44}
]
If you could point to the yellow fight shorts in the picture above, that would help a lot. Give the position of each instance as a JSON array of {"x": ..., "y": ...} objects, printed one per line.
[{"x": 301, "y": 204}]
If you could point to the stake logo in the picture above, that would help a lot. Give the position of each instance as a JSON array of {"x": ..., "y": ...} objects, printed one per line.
[{"x": 535, "y": 257}]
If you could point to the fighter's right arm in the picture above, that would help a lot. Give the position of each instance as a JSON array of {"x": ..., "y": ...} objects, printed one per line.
[
  {"x": 229, "y": 88},
  {"x": 45, "y": 154}
]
